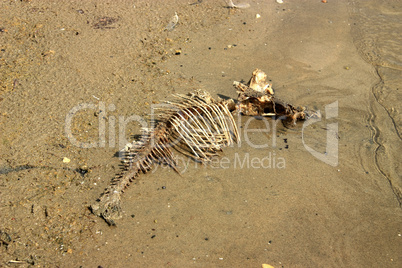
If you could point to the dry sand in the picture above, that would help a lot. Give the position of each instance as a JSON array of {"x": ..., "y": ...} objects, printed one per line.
[{"x": 291, "y": 210}]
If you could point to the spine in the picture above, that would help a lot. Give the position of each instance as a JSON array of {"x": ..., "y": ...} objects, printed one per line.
[{"x": 149, "y": 150}]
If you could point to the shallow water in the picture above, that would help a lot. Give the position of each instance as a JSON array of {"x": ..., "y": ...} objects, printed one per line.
[
  {"x": 326, "y": 193},
  {"x": 377, "y": 37}
]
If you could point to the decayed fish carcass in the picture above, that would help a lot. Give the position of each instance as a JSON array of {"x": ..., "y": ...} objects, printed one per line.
[{"x": 195, "y": 125}]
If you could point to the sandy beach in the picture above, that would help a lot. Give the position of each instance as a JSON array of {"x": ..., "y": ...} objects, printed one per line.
[{"x": 78, "y": 80}]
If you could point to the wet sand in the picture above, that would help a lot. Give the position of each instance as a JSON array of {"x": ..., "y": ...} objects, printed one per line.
[{"x": 287, "y": 207}]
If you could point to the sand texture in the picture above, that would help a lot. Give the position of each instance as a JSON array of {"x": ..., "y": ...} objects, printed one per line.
[{"x": 79, "y": 78}]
